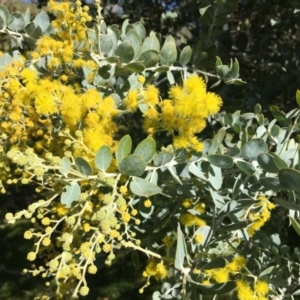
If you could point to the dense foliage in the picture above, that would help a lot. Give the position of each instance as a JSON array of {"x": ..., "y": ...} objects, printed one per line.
[{"x": 197, "y": 208}]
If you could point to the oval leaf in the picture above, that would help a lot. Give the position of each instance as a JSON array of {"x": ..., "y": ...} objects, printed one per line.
[
  {"x": 221, "y": 161},
  {"x": 16, "y": 22},
  {"x": 149, "y": 58},
  {"x": 253, "y": 148},
  {"x": 146, "y": 149},
  {"x": 245, "y": 167},
  {"x": 124, "y": 148},
  {"x": 83, "y": 166},
  {"x": 271, "y": 183},
  {"x": 185, "y": 55},
  {"x": 168, "y": 53},
  {"x": 70, "y": 194},
  {"x": 289, "y": 179},
  {"x": 103, "y": 158},
  {"x": 142, "y": 187},
  {"x": 132, "y": 165},
  {"x": 162, "y": 158},
  {"x": 279, "y": 162},
  {"x": 65, "y": 166},
  {"x": 125, "y": 52},
  {"x": 151, "y": 43},
  {"x": 267, "y": 162}
]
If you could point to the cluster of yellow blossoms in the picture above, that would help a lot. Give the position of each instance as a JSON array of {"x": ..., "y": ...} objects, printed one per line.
[
  {"x": 183, "y": 115},
  {"x": 259, "y": 291},
  {"x": 262, "y": 216}
]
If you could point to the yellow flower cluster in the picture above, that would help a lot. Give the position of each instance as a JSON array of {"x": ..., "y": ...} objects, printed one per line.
[
  {"x": 184, "y": 114},
  {"x": 258, "y": 292},
  {"x": 222, "y": 275},
  {"x": 156, "y": 269},
  {"x": 260, "y": 218},
  {"x": 189, "y": 219}
]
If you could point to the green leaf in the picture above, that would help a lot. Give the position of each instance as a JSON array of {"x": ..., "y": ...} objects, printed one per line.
[
  {"x": 271, "y": 183},
  {"x": 298, "y": 97},
  {"x": 234, "y": 72},
  {"x": 162, "y": 158},
  {"x": 106, "y": 43},
  {"x": 266, "y": 271},
  {"x": 162, "y": 69},
  {"x": 146, "y": 149},
  {"x": 221, "y": 161},
  {"x": 33, "y": 31},
  {"x": 126, "y": 69},
  {"x": 26, "y": 16},
  {"x": 149, "y": 58},
  {"x": 235, "y": 81},
  {"x": 83, "y": 166},
  {"x": 185, "y": 55},
  {"x": 290, "y": 179},
  {"x": 125, "y": 25},
  {"x": 144, "y": 188},
  {"x": 42, "y": 20},
  {"x": 125, "y": 52},
  {"x": 170, "y": 77},
  {"x": 275, "y": 130},
  {"x": 218, "y": 262},
  {"x": 151, "y": 43},
  {"x": 132, "y": 165},
  {"x": 70, "y": 194},
  {"x": 215, "y": 177},
  {"x": 180, "y": 249},
  {"x": 203, "y": 10},
  {"x": 4, "y": 16},
  {"x": 218, "y": 61},
  {"x": 295, "y": 224},
  {"x": 134, "y": 39},
  {"x": 280, "y": 116},
  {"x": 217, "y": 140},
  {"x": 16, "y": 22},
  {"x": 257, "y": 108},
  {"x": 103, "y": 158},
  {"x": 168, "y": 53},
  {"x": 5, "y": 60},
  {"x": 173, "y": 173},
  {"x": 287, "y": 204},
  {"x": 253, "y": 148},
  {"x": 124, "y": 147},
  {"x": 235, "y": 226},
  {"x": 222, "y": 71},
  {"x": 267, "y": 162},
  {"x": 140, "y": 29},
  {"x": 217, "y": 199},
  {"x": 245, "y": 167},
  {"x": 65, "y": 166},
  {"x": 279, "y": 162},
  {"x": 156, "y": 295},
  {"x": 135, "y": 259},
  {"x": 137, "y": 67}
]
